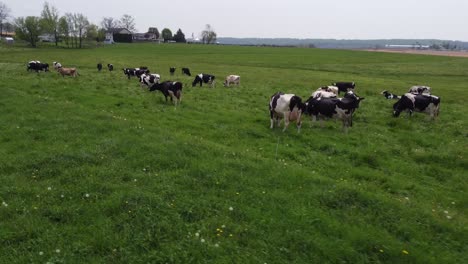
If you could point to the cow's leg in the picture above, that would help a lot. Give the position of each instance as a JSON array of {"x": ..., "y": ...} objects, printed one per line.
[
  {"x": 286, "y": 120},
  {"x": 299, "y": 122}
]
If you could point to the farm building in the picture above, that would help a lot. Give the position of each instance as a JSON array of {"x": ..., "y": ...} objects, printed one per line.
[{"x": 118, "y": 35}]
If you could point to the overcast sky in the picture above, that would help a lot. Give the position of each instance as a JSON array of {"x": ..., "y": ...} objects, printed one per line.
[{"x": 338, "y": 19}]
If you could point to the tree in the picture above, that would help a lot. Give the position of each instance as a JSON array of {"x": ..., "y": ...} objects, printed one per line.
[
  {"x": 28, "y": 29},
  {"x": 179, "y": 36},
  {"x": 82, "y": 24},
  {"x": 154, "y": 30},
  {"x": 108, "y": 23},
  {"x": 128, "y": 22},
  {"x": 63, "y": 29},
  {"x": 166, "y": 34},
  {"x": 4, "y": 14},
  {"x": 92, "y": 32},
  {"x": 50, "y": 21},
  {"x": 208, "y": 35}
]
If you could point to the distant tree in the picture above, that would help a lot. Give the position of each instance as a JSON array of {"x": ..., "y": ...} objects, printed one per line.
[
  {"x": 4, "y": 14},
  {"x": 50, "y": 21},
  {"x": 154, "y": 30},
  {"x": 72, "y": 29},
  {"x": 208, "y": 35},
  {"x": 82, "y": 24},
  {"x": 166, "y": 34},
  {"x": 108, "y": 23},
  {"x": 92, "y": 32},
  {"x": 179, "y": 36},
  {"x": 128, "y": 22},
  {"x": 101, "y": 34},
  {"x": 28, "y": 29},
  {"x": 63, "y": 29}
]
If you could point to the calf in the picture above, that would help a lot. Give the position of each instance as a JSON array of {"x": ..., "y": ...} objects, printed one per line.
[
  {"x": 149, "y": 79},
  {"x": 172, "y": 70},
  {"x": 169, "y": 88},
  {"x": 232, "y": 79},
  {"x": 424, "y": 103},
  {"x": 110, "y": 67},
  {"x": 420, "y": 89},
  {"x": 340, "y": 108},
  {"x": 67, "y": 71},
  {"x": 288, "y": 107},
  {"x": 99, "y": 66},
  {"x": 186, "y": 71},
  {"x": 204, "y": 78},
  {"x": 37, "y": 66},
  {"x": 325, "y": 92},
  {"x": 344, "y": 86},
  {"x": 389, "y": 95}
]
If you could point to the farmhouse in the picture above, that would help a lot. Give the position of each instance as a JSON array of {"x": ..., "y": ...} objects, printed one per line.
[{"x": 118, "y": 35}]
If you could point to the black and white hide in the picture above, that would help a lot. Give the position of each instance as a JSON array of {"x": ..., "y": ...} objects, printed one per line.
[
  {"x": 344, "y": 86},
  {"x": 137, "y": 72},
  {"x": 204, "y": 78},
  {"x": 186, "y": 71},
  {"x": 99, "y": 66},
  {"x": 288, "y": 107},
  {"x": 423, "y": 103},
  {"x": 340, "y": 108},
  {"x": 37, "y": 66},
  {"x": 419, "y": 89},
  {"x": 110, "y": 67},
  {"x": 149, "y": 80},
  {"x": 169, "y": 89},
  {"x": 172, "y": 70}
]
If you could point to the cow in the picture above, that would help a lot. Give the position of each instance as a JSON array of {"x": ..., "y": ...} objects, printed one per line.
[
  {"x": 420, "y": 89},
  {"x": 37, "y": 66},
  {"x": 67, "y": 71},
  {"x": 344, "y": 86},
  {"x": 110, "y": 67},
  {"x": 135, "y": 71},
  {"x": 172, "y": 70},
  {"x": 149, "y": 79},
  {"x": 424, "y": 103},
  {"x": 186, "y": 71},
  {"x": 288, "y": 107},
  {"x": 389, "y": 95},
  {"x": 340, "y": 108},
  {"x": 325, "y": 92},
  {"x": 99, "y": 66},
  {"x": 204, "y": 78},
  {"x": 169, "y": 89},
  {"x": 232, "y": 79},
  {"x": 56, "y": 65}
]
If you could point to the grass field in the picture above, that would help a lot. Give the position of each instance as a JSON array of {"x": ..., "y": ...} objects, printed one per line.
[{"x": 97, "y": 170}]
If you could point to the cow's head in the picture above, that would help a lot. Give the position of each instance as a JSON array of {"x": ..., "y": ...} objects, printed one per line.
[{"x": 197, "y": 79}]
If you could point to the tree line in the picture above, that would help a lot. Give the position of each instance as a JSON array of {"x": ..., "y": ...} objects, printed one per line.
[{"x": 74, "y": 28}]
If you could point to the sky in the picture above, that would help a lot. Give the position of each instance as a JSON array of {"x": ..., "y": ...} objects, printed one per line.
[{"x": 335, "y": 19}]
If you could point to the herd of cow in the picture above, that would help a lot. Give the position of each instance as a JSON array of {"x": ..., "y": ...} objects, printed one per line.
[
  {"x": 325, "y": 103},
  {"x": 322, "y": 104}
]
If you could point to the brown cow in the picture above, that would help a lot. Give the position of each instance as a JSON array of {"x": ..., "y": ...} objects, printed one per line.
[{"x": 68, "y": 71}]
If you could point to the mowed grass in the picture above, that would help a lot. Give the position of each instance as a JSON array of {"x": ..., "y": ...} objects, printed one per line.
[{"x": 96, "y": 169}]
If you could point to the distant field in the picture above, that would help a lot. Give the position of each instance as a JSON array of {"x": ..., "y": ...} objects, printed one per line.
[
  {"x": 463, "y": 54},
  {"x": 97, "y": 170}
]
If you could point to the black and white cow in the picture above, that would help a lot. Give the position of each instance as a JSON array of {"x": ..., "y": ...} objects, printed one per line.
[
  {"x": 288, "y": 107},
  {"x": 424, "y": 103},
  {"x": 110, "y": 67},
  {"x": 340, "y": 108},
  {"x": 172, "y": 70},
  {"x": 232, "y": 79},
  {"x": 186, "y": 71},
  {"x": 37, "y": 66},
  {"x": 389, "y": 95},
  {"x": 137, "y": 72},
  {"x": 204, "y": 78},
  {"x": 344, "y": 86},
  {"x": 99, "y": 66},
  {"x": 169, "y": 89},
  {"x": 420, "y": 89},
  {"x": 149, "y": 79}
]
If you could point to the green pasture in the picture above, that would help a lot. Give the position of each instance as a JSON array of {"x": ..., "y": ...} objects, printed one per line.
[{"x": 95, "y": 169}]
